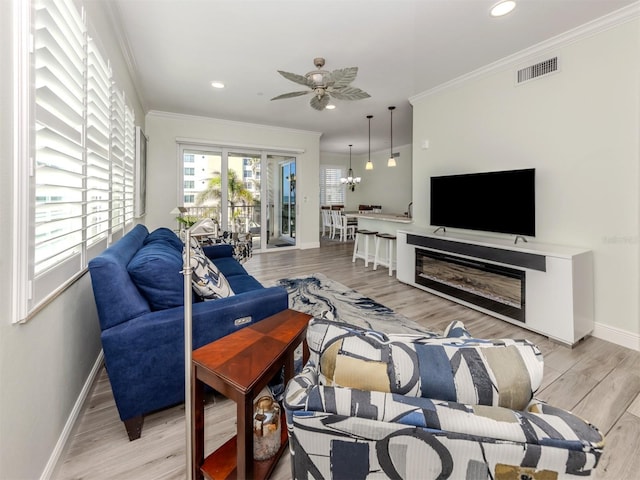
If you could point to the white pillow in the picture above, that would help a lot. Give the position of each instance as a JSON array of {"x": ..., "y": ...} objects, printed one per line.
[{"x": 207, "y": 280}]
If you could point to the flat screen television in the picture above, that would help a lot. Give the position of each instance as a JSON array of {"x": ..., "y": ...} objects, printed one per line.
[{"x": 502, "y": 202}]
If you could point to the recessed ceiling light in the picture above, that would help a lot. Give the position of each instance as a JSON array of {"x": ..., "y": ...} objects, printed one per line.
[
  {"x": 216, "y": 84},
  {"x": 502, "y": 8},
  {"x": 330, "y": 107}
]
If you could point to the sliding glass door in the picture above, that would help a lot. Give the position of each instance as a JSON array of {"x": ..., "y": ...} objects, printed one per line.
[
  {"x": 281, "y": 191},
  {"x": 228, "y": 186}
]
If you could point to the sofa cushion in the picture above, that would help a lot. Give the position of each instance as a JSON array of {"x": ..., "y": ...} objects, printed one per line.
[
  {"x": 156, "y": 270},
  {"x": 243, "y": 283},
  {"x": 229, "y": 266},
  {"x": 163, "y": 234},
  {"x": 206, "y": 279},
  {"x": 502, "y": 372}
]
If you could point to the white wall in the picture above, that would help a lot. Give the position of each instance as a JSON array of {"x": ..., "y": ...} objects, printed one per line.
[
  {"x": 164, "y": 164},
  {"x": 45, "y": 363},
  {"x": 389, "y": 187},
  {"x": 580, "y": 129}
]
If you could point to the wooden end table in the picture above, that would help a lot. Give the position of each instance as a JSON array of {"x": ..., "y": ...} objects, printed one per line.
[{"x": 239, "y": 366}]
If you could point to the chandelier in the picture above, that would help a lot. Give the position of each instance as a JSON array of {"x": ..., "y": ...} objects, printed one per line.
[{"x": 350, "y": 181}]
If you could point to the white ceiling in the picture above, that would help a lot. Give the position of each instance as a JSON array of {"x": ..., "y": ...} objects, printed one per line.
[{"x": 402, "y": 48}]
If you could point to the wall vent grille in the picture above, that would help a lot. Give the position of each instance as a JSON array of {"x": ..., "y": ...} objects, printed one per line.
[{"x": 539, "y": 69}]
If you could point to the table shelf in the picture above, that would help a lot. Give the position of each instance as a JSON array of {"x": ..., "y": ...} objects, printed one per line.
[{"x": 221, "y": 464}]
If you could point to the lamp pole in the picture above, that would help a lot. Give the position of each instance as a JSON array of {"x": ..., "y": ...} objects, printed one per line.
[{"x": 188, "y": 353}]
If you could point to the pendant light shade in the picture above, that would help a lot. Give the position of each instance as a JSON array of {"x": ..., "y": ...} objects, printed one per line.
[
  {"x": 350, "y": 181},
  {"x": 369, "y": 165},
  {"x": 392, "y": 160}
]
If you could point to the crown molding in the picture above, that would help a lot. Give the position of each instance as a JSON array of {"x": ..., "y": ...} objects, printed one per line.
[
  {"x": 113, "y": 13},
  {"x": 219, "y": 121},
  {"x": 589, "y": 29}
]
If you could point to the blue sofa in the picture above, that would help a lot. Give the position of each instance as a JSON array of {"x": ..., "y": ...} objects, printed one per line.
[{"x": 139, "y": 292}]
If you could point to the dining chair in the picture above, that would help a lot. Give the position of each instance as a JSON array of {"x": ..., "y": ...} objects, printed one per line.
[
  {"x": 339, "y": 224},
  {"x": 326, "y": 221}
]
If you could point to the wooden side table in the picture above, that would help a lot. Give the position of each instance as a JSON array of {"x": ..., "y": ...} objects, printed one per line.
[{"x": 239, "y": 366}]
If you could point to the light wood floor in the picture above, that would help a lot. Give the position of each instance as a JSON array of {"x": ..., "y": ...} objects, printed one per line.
[{"x": 597, "y": 380}]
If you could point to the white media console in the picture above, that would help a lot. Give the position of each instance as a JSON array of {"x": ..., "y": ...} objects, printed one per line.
[{"x": 545, "y": 288}]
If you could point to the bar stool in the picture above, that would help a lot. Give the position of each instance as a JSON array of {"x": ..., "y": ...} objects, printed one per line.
[
  {"x": 390, "y": 238},
  {"x": 357, "y": 253}
]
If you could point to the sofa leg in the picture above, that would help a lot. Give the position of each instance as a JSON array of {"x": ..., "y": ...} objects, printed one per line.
[{"x": 134, "y": 427}]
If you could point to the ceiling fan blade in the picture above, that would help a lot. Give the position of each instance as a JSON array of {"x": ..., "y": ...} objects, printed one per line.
[
  {"x": 349, "y": 93},
  {"x": 294, "y": 77},
  {"x": 319, "y": 103},
  {"x": 343, "y": 77},
  {"x": 290, "y": 95}
]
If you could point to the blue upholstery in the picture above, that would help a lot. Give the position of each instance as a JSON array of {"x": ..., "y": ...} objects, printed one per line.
[
  {"x": 156, "y": 269},
  {"x": 143, "y": 343},
  {"x": 229, "y": 266}
]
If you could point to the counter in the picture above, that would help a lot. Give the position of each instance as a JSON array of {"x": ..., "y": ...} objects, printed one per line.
[
  {"x": 386, "y": 217},
  {"x": 382, "y": 223}
]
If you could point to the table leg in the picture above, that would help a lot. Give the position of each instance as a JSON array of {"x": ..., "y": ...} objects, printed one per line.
[
  {"x": 197, "y": 422},
  {"x": 245, "y": 437}
]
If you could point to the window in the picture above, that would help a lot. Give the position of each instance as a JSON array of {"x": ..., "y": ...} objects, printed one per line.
[
  {"x": 78, "y": 133},
  {"x": 189, "y": 198},
  {"x": 189, "y": 171},
  {"x": 332, "y": 191},
  {"x": 189, "y": 158},
  {"x": 189, "y": 184}
]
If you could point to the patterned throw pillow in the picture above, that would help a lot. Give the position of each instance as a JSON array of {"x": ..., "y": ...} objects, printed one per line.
[
  {"x": 502, "y": 372},
  {"x": 207, "y": 280}
]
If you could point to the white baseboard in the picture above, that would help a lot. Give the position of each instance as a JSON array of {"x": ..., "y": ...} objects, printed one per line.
[
  {"x": 50, "y": 468},
  {"x": 616, "y": 335}
]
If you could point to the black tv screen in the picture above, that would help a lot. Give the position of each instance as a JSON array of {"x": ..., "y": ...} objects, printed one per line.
[{"x": 502, "y": 202}]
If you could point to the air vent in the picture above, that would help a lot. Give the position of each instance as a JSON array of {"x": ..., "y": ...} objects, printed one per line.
[{"x": 537, "y": 70}]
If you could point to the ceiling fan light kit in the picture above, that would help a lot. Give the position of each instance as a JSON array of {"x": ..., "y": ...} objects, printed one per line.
[{"x": 325, "y": 85}]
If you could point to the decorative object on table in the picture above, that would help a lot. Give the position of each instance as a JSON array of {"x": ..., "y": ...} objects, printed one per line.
[
  {"x": 369, "y": 165},
  {"x": 350, "y": 181},
  {"x": 392, "y": 160},
  {"x": 267, "y": 430},
  {"x": 324, "y": 84}
]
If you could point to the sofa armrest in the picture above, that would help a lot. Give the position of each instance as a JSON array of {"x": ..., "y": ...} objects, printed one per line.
[
  {"x": 551, "y": 425},
  {"x": 218, "y": 251},
  {"x": 147, "y": 353}
]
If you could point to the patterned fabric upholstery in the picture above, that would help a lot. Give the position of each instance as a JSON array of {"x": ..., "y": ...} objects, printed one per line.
[
  {"x": 397, "y": 432},
  {"x": 206, "y": 278},
  {"x": 504, "y": 372}
]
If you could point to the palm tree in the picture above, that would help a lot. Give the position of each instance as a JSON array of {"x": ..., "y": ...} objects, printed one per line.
[{"x": 237, "y": 194}]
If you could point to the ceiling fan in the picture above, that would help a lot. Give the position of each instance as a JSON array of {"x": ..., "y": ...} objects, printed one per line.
[{"x": 324, "y": 84}]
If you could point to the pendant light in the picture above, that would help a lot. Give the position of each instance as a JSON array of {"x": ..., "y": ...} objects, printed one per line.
[
  {"x": 369, "y": 165},
  {"x": 350, "y": 181},
  {"x": 392, "y": 160}
]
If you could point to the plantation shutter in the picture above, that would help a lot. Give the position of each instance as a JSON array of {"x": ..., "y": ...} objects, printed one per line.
[
  {"x": 129, "y": 163},
  {"x": 332, "y": 191},
  {"x": 98, "y": 128},
  {"x": 117, "y": 159},
  {"x": 77, "y": 137},
  {"x": 59, "y": 155}
]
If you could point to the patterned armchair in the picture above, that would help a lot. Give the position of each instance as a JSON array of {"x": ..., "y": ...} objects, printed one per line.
[{"x": 370, "y": 405}]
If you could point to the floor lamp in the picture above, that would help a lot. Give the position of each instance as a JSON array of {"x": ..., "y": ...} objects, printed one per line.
[{"x": 188, "y": 352}]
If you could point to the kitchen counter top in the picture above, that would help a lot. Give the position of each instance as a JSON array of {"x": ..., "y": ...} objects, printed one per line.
[{"x": 387, "y": 217}]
